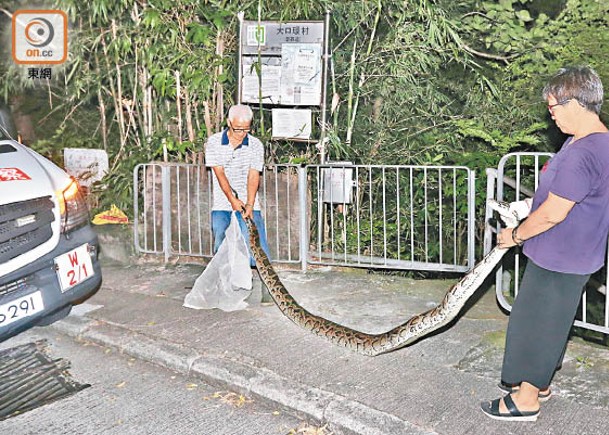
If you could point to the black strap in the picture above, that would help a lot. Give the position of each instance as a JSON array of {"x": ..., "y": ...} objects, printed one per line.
[
  {"x": 495, "y": 406},
  {"x": 511, "y": 406}
]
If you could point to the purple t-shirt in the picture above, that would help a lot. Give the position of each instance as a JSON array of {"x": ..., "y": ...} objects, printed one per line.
[{"x": 579, "y": 172}]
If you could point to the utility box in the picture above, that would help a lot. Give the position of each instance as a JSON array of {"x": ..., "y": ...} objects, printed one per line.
[{"x": 338, "y": 183}]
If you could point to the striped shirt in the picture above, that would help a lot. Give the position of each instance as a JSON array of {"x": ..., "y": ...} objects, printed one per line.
[{"x": 236, "y": 163}]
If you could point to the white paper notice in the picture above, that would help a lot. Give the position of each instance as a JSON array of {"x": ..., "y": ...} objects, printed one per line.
[
  {"x": 271, "y": 82},
  {"x": 305, "y": 66},
  {"x": 291, "y": 123},
  {"x": 301, "y": 74}
]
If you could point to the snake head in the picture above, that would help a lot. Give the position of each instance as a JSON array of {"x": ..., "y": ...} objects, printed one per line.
[{"x": 508, "y": 216}]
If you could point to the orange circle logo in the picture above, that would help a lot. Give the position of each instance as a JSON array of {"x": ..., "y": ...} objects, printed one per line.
[{"x": 39, "y": 32}]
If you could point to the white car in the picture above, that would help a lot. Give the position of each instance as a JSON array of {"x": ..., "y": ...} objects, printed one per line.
[{"x": 48, "y": 249}]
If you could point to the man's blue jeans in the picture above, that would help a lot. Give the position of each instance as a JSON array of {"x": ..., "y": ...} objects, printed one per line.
[{"x": 220, "y": 220}]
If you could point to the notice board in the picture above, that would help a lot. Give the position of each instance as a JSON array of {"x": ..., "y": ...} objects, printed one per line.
[{"x": 281, "y": 63}]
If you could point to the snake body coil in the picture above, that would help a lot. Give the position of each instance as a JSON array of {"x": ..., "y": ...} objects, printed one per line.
[{"x": 415, "y": 328}]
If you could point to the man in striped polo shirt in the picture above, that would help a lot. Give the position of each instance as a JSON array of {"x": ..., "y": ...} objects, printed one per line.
[{"x": 237, "y": 159}]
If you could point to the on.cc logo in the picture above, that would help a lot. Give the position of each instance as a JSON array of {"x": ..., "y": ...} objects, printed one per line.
[
  {"x": 39, "y": 32},
  {"x": 40, "y": 37}
]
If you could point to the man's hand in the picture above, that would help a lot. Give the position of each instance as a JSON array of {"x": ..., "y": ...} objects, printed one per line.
[
  {"x": 236, "y": 203},
  {"x": 249, "y": 211}
]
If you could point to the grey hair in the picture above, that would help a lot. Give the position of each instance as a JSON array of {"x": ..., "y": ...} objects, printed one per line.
[
  {"x": 579, "y": 83},
  {"x": 240, "y": 112}
]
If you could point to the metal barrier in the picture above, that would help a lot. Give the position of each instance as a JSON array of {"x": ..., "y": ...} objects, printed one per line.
[
  {"x": 284, "y": 207},
  {"x": 408, "y": 217},
  {"x": 172, "y": 210},
  {"x": 149, "y": 194},
  {"x": 516, "y": 178}
]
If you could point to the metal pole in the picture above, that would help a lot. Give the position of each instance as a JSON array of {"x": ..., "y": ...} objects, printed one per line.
[
  {"x": 304, "y": 229},
  {"x": 136, "y": 212},
  {"x": 491, "y": 177},
  {"x": 240, "y": 15},
  {"x": 471, "y": 219},
  {"x": 166, "y": 193},
  {"x": 322, "y": 137}
]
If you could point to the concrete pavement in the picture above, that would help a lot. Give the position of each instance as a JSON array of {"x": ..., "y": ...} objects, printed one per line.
[{"x": 431, "y": 387}]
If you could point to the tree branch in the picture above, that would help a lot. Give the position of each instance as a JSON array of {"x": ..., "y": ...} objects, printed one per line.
[
  {"x": 504, "y": 59},
  {"x": 469, "y": 14}
]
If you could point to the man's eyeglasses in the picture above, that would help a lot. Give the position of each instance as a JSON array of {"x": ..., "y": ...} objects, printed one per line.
[
  {"x": 560, "y": 103},
  {"x": 241, "y": 130}
]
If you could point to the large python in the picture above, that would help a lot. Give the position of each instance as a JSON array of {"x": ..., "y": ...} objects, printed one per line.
[{"x": 415, "y": 328}]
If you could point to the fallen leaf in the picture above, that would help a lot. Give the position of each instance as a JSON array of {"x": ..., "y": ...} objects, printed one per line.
[{"x": 307, "y": 429}]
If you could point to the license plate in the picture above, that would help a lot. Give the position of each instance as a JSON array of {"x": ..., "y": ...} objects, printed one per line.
[
  {"x": 74, "y": 267},
  {"x": 19, "y": 308}
]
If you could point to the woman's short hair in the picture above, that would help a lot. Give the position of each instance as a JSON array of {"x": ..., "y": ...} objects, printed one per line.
[
  {"x": 579, "y": 83},
  {"x": 240, "y": 112}
]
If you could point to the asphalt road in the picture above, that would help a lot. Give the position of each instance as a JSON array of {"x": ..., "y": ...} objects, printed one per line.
[{"x": 128, "y": 396}]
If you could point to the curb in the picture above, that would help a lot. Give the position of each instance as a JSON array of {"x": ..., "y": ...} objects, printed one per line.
[{"x": 346, "y": 415}]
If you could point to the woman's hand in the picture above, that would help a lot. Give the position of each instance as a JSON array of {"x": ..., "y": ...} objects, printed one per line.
[{"x": 504, "y": 239}]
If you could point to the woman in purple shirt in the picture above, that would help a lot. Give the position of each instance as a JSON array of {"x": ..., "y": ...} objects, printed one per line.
[{"x": 564, "y": 238}]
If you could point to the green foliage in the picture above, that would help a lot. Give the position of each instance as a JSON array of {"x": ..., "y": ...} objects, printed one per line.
[
  {"x": 176, "y": 150},
  {"x": 532, "y": 50},
  {"x": 53, "y": 146},
  {"x": 425, "y": 82},
  {"x": 496, "y": 139},
  {"x": 387, "y": 91},
  {"x": 153, "y": 68},
  {"x": 117, "y": 185}
]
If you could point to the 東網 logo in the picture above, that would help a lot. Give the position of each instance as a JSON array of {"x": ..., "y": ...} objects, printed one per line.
[{"x": 40, "y": 37}]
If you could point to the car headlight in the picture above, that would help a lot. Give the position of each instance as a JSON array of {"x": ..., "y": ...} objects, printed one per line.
[{"x": 72, "y": 207}]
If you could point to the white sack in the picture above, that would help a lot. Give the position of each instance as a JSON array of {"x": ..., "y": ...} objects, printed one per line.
[{"x": 227, "y": 280}]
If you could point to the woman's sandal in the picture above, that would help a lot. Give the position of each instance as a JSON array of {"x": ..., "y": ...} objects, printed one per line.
[
  {"x": 491, "y": 409},
  {"x": 542, "y": 397}
]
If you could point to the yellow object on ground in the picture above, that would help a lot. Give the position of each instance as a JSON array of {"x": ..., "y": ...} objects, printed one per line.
[{"x": 112, "y": 216}]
